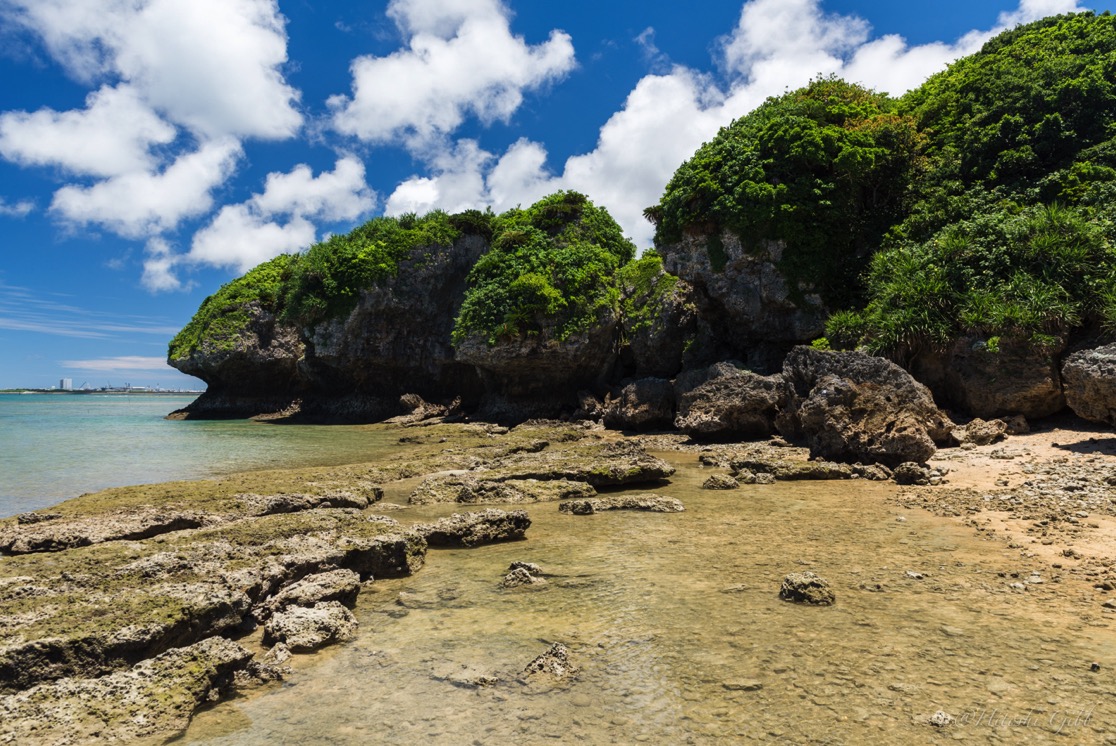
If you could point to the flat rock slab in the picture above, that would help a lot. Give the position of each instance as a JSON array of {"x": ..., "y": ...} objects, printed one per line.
[
  {"x": 305, "y": 629},
  {"x": 471, "y": 490},
  {"x": 155, "y": 697},
  {"x": 645, "y": 502},
  {"x": 475, "y": 529},
  {"x": 56, "y": 534}
]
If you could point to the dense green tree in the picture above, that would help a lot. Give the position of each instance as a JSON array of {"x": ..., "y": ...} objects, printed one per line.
[{"x": 824, "y": 169}]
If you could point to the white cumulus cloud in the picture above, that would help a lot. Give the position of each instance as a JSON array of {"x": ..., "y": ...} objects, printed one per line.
[
  {"x": 20, "y": 209},
  {"x": 143, "y": 203},
  {"x": 113, "y": 135},
  {"x": 777, "y": 45},
  {"x": 462, "y": 59},
  {"x": 213, "y": 66},
  {"x": 279, "y": 220}
]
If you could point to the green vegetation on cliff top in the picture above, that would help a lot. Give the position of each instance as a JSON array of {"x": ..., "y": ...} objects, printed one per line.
[
  {"x": 551, "y": 268},
  {"x": 822, "y": 169},
  {"x": 980, "y": 203},
  {"x": 222, "y": 317},
  {"x": 551, "y": 271}
]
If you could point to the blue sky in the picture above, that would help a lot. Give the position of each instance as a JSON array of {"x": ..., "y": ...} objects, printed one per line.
[{"x": 151, "y": 150}]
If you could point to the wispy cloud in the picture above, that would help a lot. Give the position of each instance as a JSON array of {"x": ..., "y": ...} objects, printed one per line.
[
  {"x": 122, "y": 363},
  {"x": 19, "y": 209},
  {"x": 22, "y": 310}
]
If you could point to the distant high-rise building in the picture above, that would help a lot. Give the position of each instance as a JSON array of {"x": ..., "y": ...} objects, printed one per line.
[{"x": 66, "y": 384}]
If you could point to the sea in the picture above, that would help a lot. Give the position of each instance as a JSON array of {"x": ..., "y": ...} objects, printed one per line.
[{"x": 57, "y": 446}]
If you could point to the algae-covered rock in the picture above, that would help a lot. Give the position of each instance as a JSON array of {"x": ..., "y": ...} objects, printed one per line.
[
  {"x": 155, "y": 697},
  {"x": 336, "y": 585},
  {"x": 807, "y": 588}
]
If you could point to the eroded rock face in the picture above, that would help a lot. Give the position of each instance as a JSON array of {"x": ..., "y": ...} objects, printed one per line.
[
  {"x": 397, "y": 340},
  {"x": 659, "y": 326},
  {"x": 537, "y": 375},
  {"x": 1012, "y": 378},
  {"x": 850, "y": 406},
  {"x": 723, "y": 402},
  {"x": 165, "y": 691},
  {"x": 259, "y": 366},
  {"x": 745, "y": 296},
  {"x": 1090, "y": 384},
  {"x": 646, "y": 404}
]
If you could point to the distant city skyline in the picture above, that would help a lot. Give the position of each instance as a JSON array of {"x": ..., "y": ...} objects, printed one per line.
[{"x": 150, "y": 152}]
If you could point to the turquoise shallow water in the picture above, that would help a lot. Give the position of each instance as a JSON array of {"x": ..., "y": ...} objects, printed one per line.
[{"x": 54, "y": 447}]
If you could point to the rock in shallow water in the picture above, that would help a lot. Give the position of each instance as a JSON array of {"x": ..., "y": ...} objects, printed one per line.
[
  {"x": 807, "y": 588},
  {"x": 474, "y": 529},
  {"x": 720, "y": 482},
  {"x": 305, "y": 629}
]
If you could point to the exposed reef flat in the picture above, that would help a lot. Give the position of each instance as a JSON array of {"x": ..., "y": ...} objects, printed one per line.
[{"x": 121, "y": 612}]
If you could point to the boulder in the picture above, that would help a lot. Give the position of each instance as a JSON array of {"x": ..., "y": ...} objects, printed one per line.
[
  {"x": 1090, "y": 384},
  {"x": 981, "y": 432},
  {"x": 520, "y": 576},
  {"x": 721, "y": 482},
  {"x": 724, "y": 402},
  {"x": 305, "y": 629},
  {"x": 807, "y": 588},
  {"x": 645, "y": 502},
  {"x": 1011, "y": 376},
  {"x": 646, "y": 404},
  {"x": 475, "y": 529},
  {"x": 850, "y": 406},
  {"x": 911, "y": 473}
]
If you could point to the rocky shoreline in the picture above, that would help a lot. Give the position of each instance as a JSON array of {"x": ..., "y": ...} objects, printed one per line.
[{"x": 165, "y": 593}]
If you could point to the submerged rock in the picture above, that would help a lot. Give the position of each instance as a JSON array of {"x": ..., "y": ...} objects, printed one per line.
[
  {"x": 720, "y": 482},
  {"x": 304, "y": 629},
  {"x": 554, "y": 664},
  {"x": 156, "y": 697},
  {"x": 807, "y": 588},
  {"x": 645, "y": 502}
]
